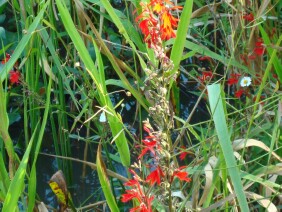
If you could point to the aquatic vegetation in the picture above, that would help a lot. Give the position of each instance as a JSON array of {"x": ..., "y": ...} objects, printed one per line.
[{"x": 140, "y": 105}]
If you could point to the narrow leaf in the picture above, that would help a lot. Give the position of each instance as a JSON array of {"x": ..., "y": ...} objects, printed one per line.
[
  {"x": 102, "y": 173},
  {"x": 218, "y": 114}
]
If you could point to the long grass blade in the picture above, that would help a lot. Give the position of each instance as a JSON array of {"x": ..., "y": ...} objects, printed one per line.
[
  {"x": 218, "y": 114},
  {"x": 101, "y": 169},
  {"x": 17, "y": 184}
]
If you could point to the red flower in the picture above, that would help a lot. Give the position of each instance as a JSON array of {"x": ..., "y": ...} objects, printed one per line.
[
  {"x": 6, "y": 59},
  {"x": 168, "y": 23},
  {"x": 181, "y": 175},
  {"x": 239, "y": 93},
  {"x": 248, "y": 17},
  {"x": 129, "y": 195},
  {"x": 136, "y": 192},
  {"x": 183, "y": 154},
  {"x": 149, "y": 147},
  {"x": 232, "y": 81},
  {"x": 15, "y": 77},
  {"x": 203, "y": 58},
  {"x": 206, "y": 75},
  {"x": 157, "y": 22},
  {"x": 234, "y": 77},
  {"x": 150, "y": 143},
  {"x": 259, "y": 47},
  {"x": 155, "y": 176},
  {"x": 144, "y": 207}
]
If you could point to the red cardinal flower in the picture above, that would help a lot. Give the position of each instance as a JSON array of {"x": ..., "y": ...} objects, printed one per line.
[
  {"x": 232, "y": 81},
  {"x": 239, "y": 93},
  {"x": 181, "y": 175},
  {"x": 206, "y": 75},
  {"x": 150, "y": 142},
  {"x": 183, "y": 154},
  {"x": 259, "y": 47},
  {"x": 155, "y": 176},
  {"x": 15, "y": 77},
  {"x": 136, "y": 192},
  {"x": 249, "y": 17},
  {"x": 157, "y": 22},
  {"x": 234, "y": 78}
]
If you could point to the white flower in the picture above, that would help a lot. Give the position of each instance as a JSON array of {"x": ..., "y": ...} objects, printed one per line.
[{"x": 246, "y": 81}]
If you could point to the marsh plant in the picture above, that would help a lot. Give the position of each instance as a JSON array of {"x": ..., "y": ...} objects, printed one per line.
[{"x": 185, "y": 96}]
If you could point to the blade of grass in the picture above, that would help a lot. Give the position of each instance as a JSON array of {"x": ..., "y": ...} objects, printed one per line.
[
  {"x": 105, "y": 184},
  {"x": 4, "y": 180},
  {"x": 17, "y": 184},
  {"x": 181, "y": 35},
  {"x": 218, "y": 114}
]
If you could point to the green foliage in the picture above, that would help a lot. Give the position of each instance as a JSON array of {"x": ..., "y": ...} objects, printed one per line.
[
  {"x": 79, "y": 60},
  {"x": 218, "y": 114}
]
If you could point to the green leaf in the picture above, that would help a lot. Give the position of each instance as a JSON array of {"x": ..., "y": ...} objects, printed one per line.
[
  {"x": 105, "y": 184},
  {"x": 181, "y": 34},
  {"x": 17, "y": 184},
  {"x": 218, "y": 113}
]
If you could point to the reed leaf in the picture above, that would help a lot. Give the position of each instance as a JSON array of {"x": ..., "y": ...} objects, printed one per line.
[
  {"x": 17, "y": 184},
  {"x": 218, "y": 114},
  {"x": 105, "y": 184},
  {"x": 181, "y": 34}
]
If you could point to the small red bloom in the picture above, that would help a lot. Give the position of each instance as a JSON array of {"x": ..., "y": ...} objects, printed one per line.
[
  {"x": 129, "y": 196},
  {"x": 181, "y": 175},
  {"x": 149, "y": 147},
  {"x": 259, "y": 50},
  {"x": 155, "y": 176},
  {"x": 239, "y": 93},
  {"x": 15, "y": 77},
  {"x": 232, "y": 81},
  {"x": 136, "y": 192},
  {"x": 203, "y": 58},
  {"x": 259, "y": 47},
  {"x": 248, "y": 17},
  {"x": 234, "y": 78},
  {"x": 150, "y": 142},
  {"x": 206, "y": 75},
  {"x": 183, "y": 154}
]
